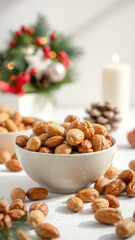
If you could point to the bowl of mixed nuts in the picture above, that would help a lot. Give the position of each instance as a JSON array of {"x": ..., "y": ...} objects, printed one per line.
[
  {"x": 11, "y": 124},
  {"x": 68, "y": 157}
]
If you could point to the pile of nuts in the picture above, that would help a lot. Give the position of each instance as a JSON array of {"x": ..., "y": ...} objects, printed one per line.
[
  {"x": 71, "y": 137},
  {"x": 10, "y": 161},
  {"x": 105, "y": 208},
  {"x": 13, "y": 122},
  {"x": 37, "y": 213}
]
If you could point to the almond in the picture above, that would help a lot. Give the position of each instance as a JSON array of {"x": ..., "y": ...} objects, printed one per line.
[
  {"x": 3, "y": 206},
  {"x": 75, "y": 204},
  {"x": 115, "y": 187},
  {"x": 108, "y": 215},
  {"x": 39, "y": 128},
  {"x": 3, "y": 117},
  {"x": 101, "y": 184},
  {"x": 11, "y": 125},
  {"x": 17, "y": 193},
  {"x": 99, "y": 129},
  {"x": 35, "y": 217},
  {"x": 113, "y": 201},
  {"x": 16, "y": 214},
  {"x": 54, "y": 141},
  {"x": 28, "y": 120},
  {"x": 54, "y": 130},
  {"x": 132, "y": 165},
  {"x": 17, "y": 118},
  {"x": 5, "y": 109},
  {"x": 3, "y": 129},
  {"x": 112, "y": 172},
  {"x": 63, "y": 149},
  {"x": 21, "y": 140},
  {"x": 21, "y": 235},
  {"x": 37, "y": 193},
  {"x": 39, "y": 206},
  {"x": 45, "y": 150},
  {"x": 131, "y": 188},
  {"x": 127, "y": 175},
  {"x": 71, "y": 118},
  {"x": 33, "y": 144},
  {"x": 99, "y": 142},
  {"x": 5, "y": 157},
  {"x": 87, "y": 194},
  {"x": 74, "y": 137},
  {"x": 125, "y": 228},
  {"x": 13, "y": 165},
  {"x": 47, "y": 231},
  {"x": 43, "y": 137},
  {"x": 99, "y": 203}
]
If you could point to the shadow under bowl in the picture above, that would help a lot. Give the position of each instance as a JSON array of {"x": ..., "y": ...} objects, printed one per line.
[{"x": 62, "y": 173}]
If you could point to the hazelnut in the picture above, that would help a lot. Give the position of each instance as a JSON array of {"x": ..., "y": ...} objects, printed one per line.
[{"x": 17, "y": 193}]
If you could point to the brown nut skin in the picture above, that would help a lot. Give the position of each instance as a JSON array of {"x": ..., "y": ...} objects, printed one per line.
[
  {"x": 28, "y": 120},
  {"x": 108, "y": 215},
  {"x": 5, "y": 157},
  {"x": 17, "y": 193},
  {"x": 11, "y": 125},
  {"x": 43, "y": 137},
  {"x": 125, "y": 228},
  {"x": 16, "y": 214},
  {"x": 101, "y": 184},
  {"x": 16, "y": 204},
  {"x": 113, "y": 201},
  {"x": 130, "y": 191},
  {"x": 112, "y": 172},
  {"x": 4, "y": 208},
  {"x": 45, "y": 150},
  {"x": 75, "y": 204},
  {"x": 115, "y": 187},
  {"x": 36, "y": 193},
  {"x": 132, "y": 165},
  {"x": 46, "y": 231},
  {"x": 65, "y": 124},
  {"x": 3, "y": 117},
  {"x": 99, "y": 203},
  {"x": 5, "y": 109},
  {"x": 74, "y": 124},
  {"x": 13, "y": 165},
  {"x": 54, "y": 141},
  {"x": 87, "y": 129},
  {"x": 63, "y": 149},
  {"x": 85, "y": 146},
  {"x": 21, "y": 235},
  {"x": 127, "y": 175},
  {"x": 35, "y": 217},
  {"x": 21, "y": 140},
  {"x": 39, "y": 128},
  {"x": 99, "y": 142},
  {"x": 39, "y": 206},
  {"x": 99, "y": 129},
  {"x": 88, "y": 194},
  {"x": 17, "y": 118},
  {"x": 54, "y": 130},
  {"x": 74, "y": 137},
  {"x": 33, "y": 144},
  {"x": 71, "y": 118}
]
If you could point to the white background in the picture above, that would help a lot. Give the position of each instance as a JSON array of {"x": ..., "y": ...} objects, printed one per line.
[{"x": 100, "y": 27}]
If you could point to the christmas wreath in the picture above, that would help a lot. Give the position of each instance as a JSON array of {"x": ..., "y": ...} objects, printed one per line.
[{"x": 37, "y": 60}]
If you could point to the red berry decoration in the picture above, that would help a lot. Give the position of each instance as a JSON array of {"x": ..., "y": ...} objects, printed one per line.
[
  {"x": 131, "y": 138},
  {"x": 12, "y": 79},
  {"x": 53, "y": 36},
  {"x": 12, "y": 43},
  {"x": 33, "y": 71},
  {"x": 46, "y": 49},
  {"x": 38, "y": 41},
  {"x": 48, "y": 54},
  {"x": 62, "y": 55},
  {"x": 30, "y": 31},
  {"x": 65, "y": 62},
  {"x": 24, "y": 28},
  {"x": 18, "y": 33}
]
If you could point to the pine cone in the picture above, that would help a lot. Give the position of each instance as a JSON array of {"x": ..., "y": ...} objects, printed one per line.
[
  {"x": 104, "y": 113},
  {"x": 43, "y": 81}
]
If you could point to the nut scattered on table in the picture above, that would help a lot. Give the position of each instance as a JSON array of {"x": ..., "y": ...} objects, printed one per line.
[
  {"x": 88, "y": 194},
  {"x": 75, "y": 204},
  {"x": 108, "y": 215},
  {"x": 36, "y": 193},
  {"x": 112, "y": 172},
  {"x": 17, "y": 193},
  {"x": 115, "y": 187},
  {"x": 99, "y": 203},
  {"x": 35, "y": 217},
  {"x": 132, "y": 165},
  {"x": 47, "y": 231},
  {"x": 101, "y": 184},
  {"x": 113, "y": 201},
  {"x": 125, "y": 228},
  {"x": 39, "y": 206}
]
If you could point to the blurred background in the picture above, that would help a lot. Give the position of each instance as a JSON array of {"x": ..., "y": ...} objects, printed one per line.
[{"x": 100, "y": 27}]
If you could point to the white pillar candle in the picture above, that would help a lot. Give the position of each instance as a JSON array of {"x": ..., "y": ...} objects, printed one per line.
[{"x": 116, "y": 84}]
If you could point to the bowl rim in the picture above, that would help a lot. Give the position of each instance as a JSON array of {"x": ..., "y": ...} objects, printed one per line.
[
  {"x": 67, "y": 155},
  {"x": 15, "y": 132}
]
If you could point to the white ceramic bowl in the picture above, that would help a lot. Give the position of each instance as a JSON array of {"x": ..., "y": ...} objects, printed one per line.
[
  {"x": 7, "y": 140},
  {"x": 65, "y": 173}
]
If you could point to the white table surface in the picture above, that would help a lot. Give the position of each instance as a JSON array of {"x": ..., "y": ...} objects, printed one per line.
[{"x": 77, "y": 226}]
